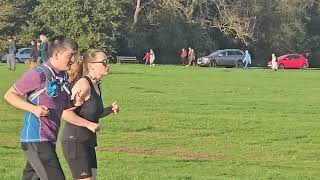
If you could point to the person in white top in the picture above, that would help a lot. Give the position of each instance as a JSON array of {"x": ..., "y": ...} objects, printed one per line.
[
  {"x": 274, "y": 62},
  {"x": 152, "y": 57}
]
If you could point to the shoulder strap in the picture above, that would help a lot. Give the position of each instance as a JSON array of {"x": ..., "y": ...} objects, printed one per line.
[
  {"x": 92, "y": 87},
  {"x": 90, "y": 82},
  {"x": 47, "y": 71},
  {"x": 99, "y": 89},
  {"x": 49, "y": 76}
]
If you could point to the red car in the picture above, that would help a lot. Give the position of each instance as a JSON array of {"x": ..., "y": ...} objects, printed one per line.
[{"x": 291, "y": 61}]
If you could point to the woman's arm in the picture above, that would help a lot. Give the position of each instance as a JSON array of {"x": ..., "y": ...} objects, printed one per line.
[
  {"x": 114, "y": 108},
  {"x": 106, "y": 111},
  {"x": 80, "y": 93}
]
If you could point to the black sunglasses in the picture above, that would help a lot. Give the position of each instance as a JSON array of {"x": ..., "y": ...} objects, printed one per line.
[{"x": 104, "y": 62}]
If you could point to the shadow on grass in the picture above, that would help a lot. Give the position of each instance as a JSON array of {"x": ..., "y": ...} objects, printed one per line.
[
  {"x": 135, "y": 87},
  {"x": 9, "y": 147},
  {"x": 143, "y": 129},
  {"x": 191, "y": 156},
  {"x": 125, "y": 73},
  {"x": 192, "y": 161},
  {"x": 154, "y": 91},
  {"x": 146, "y": 91}
]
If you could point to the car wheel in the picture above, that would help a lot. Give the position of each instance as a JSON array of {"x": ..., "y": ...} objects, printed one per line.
[
  {"x": 213, "y": 63},
  {"x": 239, "y": 64},
  {"x": 304, "y": 67},
  {"x": 281, "y": 66}
]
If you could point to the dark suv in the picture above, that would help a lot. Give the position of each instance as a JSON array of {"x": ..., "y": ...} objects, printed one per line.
[{"x": 226, "y": 57}]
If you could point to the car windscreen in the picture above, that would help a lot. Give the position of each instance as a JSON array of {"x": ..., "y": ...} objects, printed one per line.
[
  {"x": 215, "y": 53},
  {"x": 282, "y": 57}
]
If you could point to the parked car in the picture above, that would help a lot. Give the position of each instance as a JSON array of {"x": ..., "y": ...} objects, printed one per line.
[
  {"x": 22, "y": 55},
  {"x": 226, "y": 57},
  {"x": 291, "y": 61}
]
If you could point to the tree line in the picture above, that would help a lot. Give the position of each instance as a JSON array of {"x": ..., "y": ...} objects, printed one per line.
[{"x": 131, "y": 27}]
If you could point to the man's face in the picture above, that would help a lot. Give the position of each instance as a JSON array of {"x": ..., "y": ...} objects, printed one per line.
[
  {"x": 66, "y": 58},
  {"x": 41, "y": 37}
]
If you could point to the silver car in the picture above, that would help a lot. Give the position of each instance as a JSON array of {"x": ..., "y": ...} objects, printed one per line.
[
  {"x": 226, "y": 57},
  {"x": 22, "y": 55}
]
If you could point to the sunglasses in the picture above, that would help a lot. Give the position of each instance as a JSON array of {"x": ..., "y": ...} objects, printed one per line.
[{"x": 104, "y": 62}]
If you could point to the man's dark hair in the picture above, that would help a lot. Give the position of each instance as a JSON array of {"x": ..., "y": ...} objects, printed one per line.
[{"x": 61, "y": 43}]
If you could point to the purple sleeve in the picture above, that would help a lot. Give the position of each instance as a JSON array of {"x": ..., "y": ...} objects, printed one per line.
[{"x": 29, "y": 82}]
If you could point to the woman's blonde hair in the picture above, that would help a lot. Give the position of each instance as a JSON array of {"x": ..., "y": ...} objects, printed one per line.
[{"x": 80, "y": 67}]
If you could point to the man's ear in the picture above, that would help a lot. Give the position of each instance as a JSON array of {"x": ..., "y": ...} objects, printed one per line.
[{"x": 55, "y": 55}]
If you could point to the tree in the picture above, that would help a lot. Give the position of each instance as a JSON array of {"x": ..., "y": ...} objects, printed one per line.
[
  {"x": 93, "y": 23},
  {"x": 229, "y": 16}
]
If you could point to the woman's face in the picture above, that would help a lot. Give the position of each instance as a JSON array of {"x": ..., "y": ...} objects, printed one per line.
[
  {"x": 99, "y": 67},
  {"x": 32, "y": 43}
]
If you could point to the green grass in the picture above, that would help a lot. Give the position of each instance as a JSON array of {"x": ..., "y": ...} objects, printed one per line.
[{"x": 194, "y": 123}]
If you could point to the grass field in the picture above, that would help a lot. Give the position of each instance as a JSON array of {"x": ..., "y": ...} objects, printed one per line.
[{"x": 194, "y": 123}]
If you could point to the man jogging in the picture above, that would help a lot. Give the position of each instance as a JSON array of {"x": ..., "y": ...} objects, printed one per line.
[{"x": 47, "y": 91}]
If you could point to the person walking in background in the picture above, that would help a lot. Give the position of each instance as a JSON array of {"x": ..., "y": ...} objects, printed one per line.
[
  {"x": 247, "y": 60},
  {"x": 274, "y": 62},
  {"x": 35, "y": 53},
  {"x": 183, "y": 56},
  {"x": 79, "y": 137},
  {"x": 146, "y": 57},
  {"x": 44, "y": 48},
  {"x": 38, "y": 47},
  {"x": 191, "y": 57},
  {"x": 11, "y": 57},
  {"x": 32, "y": 62},
  {"x": 152, "y": 57}
]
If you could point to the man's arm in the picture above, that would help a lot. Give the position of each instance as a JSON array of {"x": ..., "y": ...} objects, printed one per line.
[
  {"x": 71, "y": 117},
  {"x": 16, "y": 100}
]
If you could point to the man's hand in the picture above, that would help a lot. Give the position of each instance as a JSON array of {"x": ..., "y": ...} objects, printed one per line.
[
  {"x": 77, "y": 98},
  {"x": 94, "y": 127},
  {"x": 40, "y": 111}
]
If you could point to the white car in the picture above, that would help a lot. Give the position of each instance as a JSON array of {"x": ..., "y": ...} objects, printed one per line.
[{"x": 22, "y": 55}]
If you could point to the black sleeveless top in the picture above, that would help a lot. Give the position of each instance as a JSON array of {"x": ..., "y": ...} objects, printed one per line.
[{"x": 90, "y": 110}]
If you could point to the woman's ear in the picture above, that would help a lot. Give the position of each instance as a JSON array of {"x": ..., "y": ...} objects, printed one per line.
[{"x": 90, "y": 67}]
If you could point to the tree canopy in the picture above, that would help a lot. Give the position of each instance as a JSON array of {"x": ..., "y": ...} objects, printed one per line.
[{"x": 127, "y": 27}]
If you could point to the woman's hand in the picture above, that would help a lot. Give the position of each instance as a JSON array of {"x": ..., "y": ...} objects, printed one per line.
[{"x": 115, "y": 107}]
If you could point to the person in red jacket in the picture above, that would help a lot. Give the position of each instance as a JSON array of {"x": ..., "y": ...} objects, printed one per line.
[
  {"x": 184, "y": 56},
  {"x": 147, "y": 57}
]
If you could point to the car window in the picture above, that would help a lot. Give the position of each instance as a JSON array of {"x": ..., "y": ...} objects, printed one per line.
[
  {"x": 26, "y": 51},
  {"x": 290, "y": 57},
  {"x": 295, "y": 57},
  {"x": 223, "y": 54},
  {"x": 231, "y": 53},
  {"x": 237, "y": 53}
]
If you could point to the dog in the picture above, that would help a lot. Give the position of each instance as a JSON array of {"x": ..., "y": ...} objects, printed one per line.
[{"x": 31, "y": 63}]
